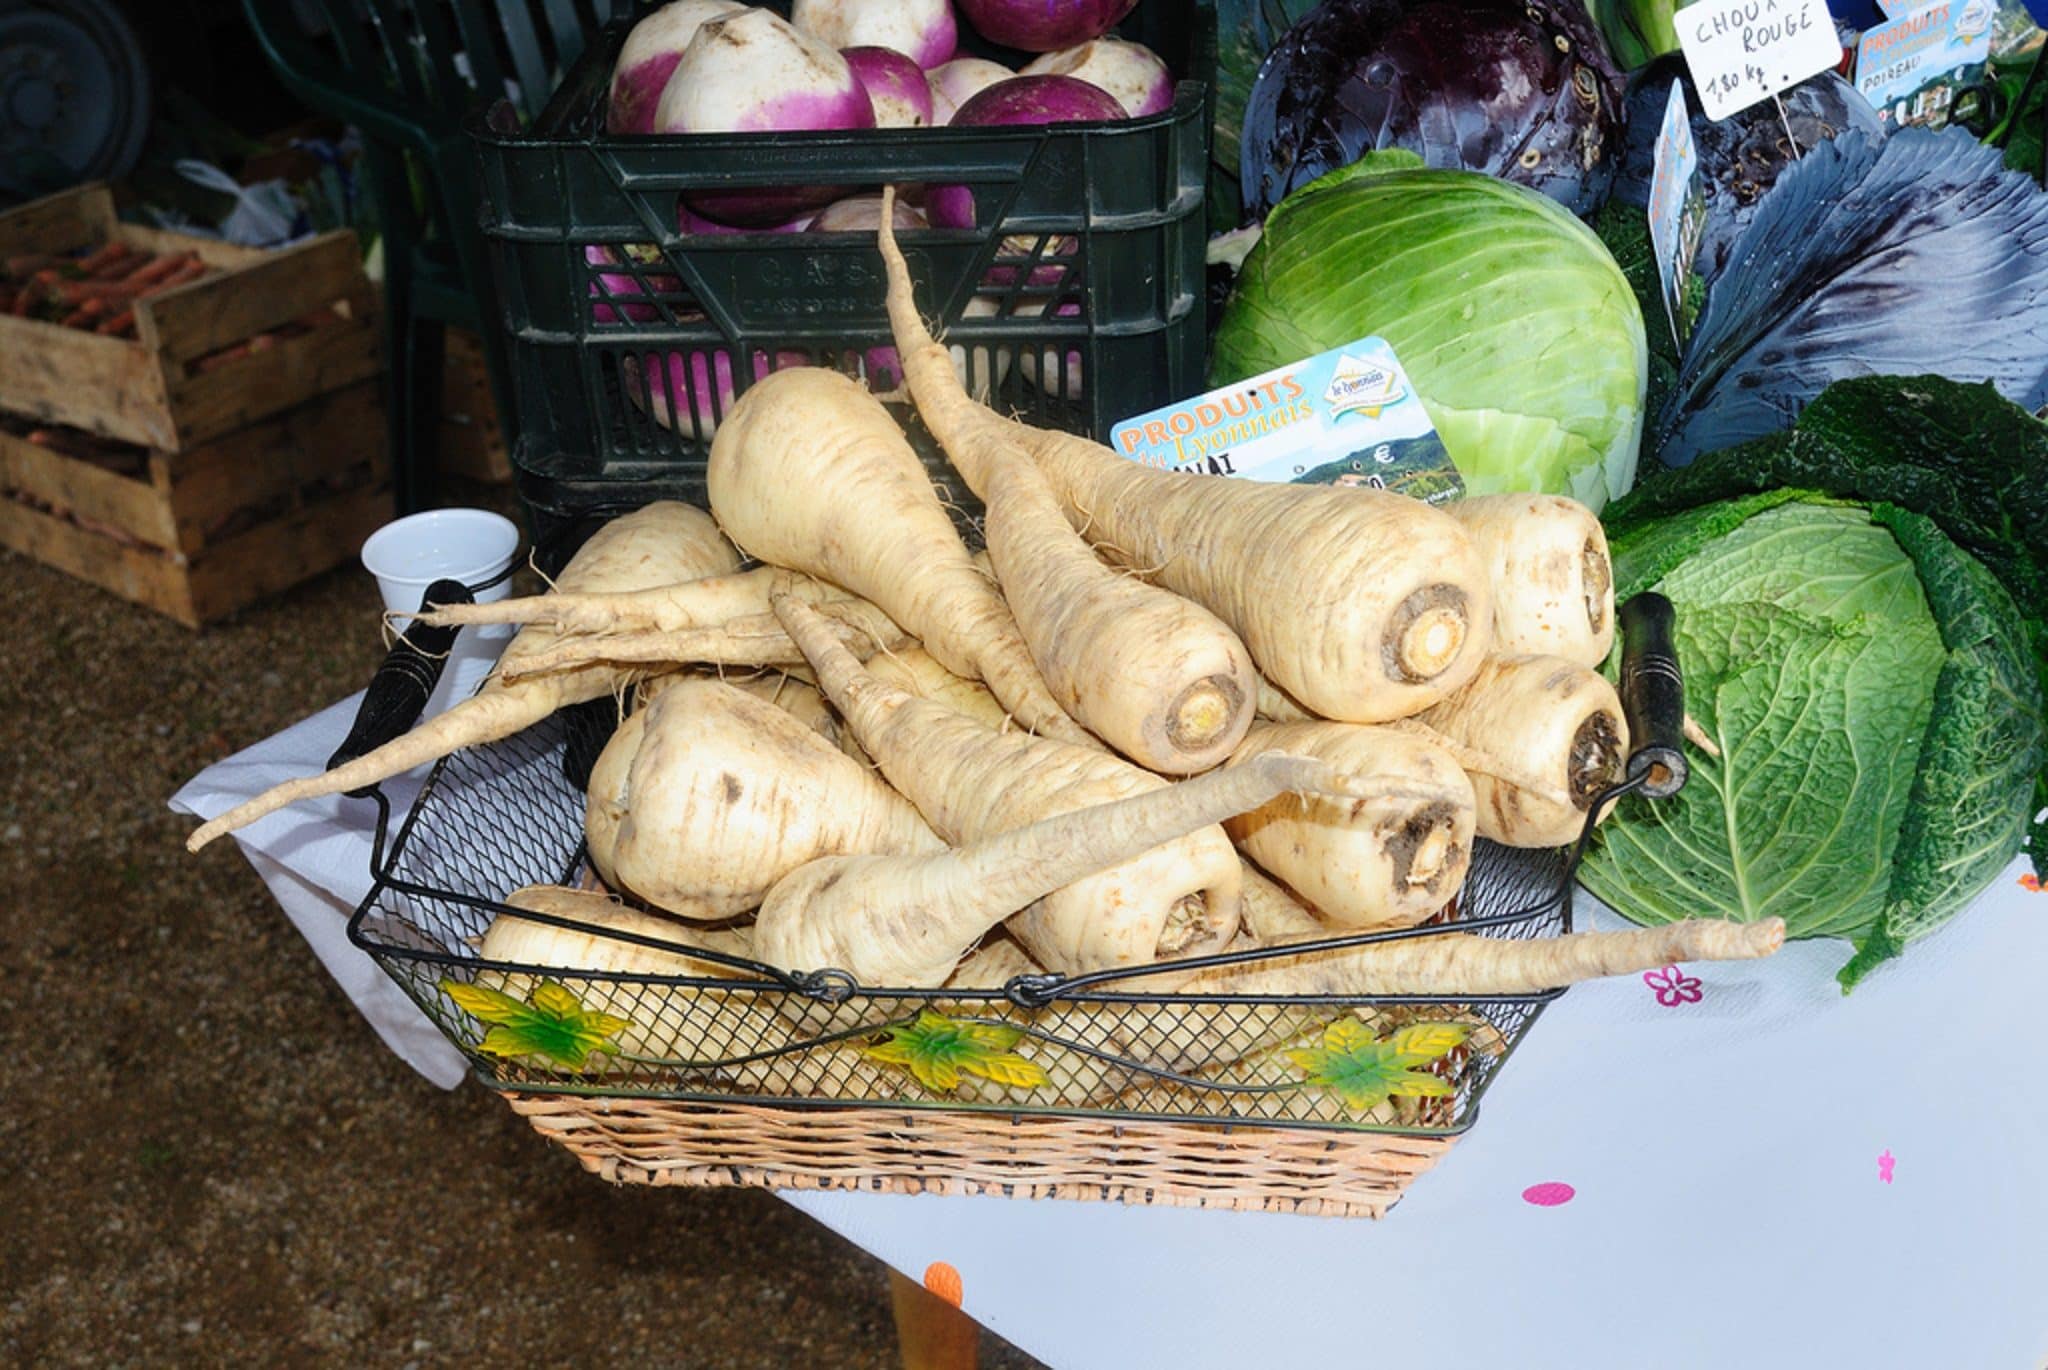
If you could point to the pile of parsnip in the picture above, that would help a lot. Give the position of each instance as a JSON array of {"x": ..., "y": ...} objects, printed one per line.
[{"x": 1167, "y": 715}]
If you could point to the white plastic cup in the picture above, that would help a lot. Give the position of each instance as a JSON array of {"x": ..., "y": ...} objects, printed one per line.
[{"x": 470, "y": 545}]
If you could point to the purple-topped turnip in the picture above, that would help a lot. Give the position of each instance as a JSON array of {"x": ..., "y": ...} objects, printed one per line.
[
  {"x": 956, "y": 82},
  {"x": 863, "y": 214},
  {"x": 896, "y": 86},
  {"x": 649, "y": 58},
  {"x": 1131, "y": 72},
  {"x": 922, "y": 30},
  {"x": 688, "y": 221},
  {"x": 694, "y": 389},
  {"x": 1019, "y": 100},
  {"x": 1044, "y": 25},
  {"x": 754, "y": 72},
  {"x": 615, "y": 287}
]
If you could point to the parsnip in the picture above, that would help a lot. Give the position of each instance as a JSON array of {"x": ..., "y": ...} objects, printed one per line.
[
  {"x": 808, "y": 471},
  {"x": 1542, "y": 738},
  {"x": 1361, "y": 604},
  {"x": 1359, "y": 865},
  {"x": 717, "y": 620},
  {"x": 971, "y": 782},
  {"x": 660, "y": 544},
  {"x": 1160, "y": 679},
  {"x": 724, "y": 795},
  {"x": 908, "y": 920},
  {"x": 915, "y": 670},
  {"x": 1553, "y": 585}
]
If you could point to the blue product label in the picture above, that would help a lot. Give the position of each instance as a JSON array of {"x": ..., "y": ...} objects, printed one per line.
[
  {"x": 1911, "y": 68},
  {"x": 1343, "y": 417}
]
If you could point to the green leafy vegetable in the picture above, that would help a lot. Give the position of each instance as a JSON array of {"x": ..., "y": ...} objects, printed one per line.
[
  {"x": 1519, "y": 332},
  {"x": 1874, "y": 687}
]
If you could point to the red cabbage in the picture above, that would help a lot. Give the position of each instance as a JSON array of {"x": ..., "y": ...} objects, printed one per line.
[{"x": 1521, "y": 89}]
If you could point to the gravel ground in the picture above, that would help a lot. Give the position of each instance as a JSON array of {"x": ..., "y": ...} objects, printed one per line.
[{"x": 211, "y": 1160}]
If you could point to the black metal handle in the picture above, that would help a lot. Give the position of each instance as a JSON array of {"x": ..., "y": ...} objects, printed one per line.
[
  {"x": 404, "y": 682},
  {"x": 1652, "y": 695}
]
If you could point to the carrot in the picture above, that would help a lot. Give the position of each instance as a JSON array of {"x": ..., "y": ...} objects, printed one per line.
[
  {"x": 1541, "y": 737},
  {"x": 84, "y": 314},
  {"x": 1553, "y": 584},
  {"x": 1160, "y": 679},
  {"x": 119, "y": 260},
  {"x": 189, "y": 271},
  {"x": 700, "y": 803},
  {"x": 971, "y": 781},
  {"x": 1386, "y": 865},
  {"x": 119, "y": 323},
  {"x": 808, "y": 471},
  {"x": 100, "y": 258},
  {"x": 663, "y": 542},
  {"x": 28, "y": 264},
  {"x": 157, "y": 268},
  {"x": 23, "y": 302},
  {"x": 907, "y": 920}
]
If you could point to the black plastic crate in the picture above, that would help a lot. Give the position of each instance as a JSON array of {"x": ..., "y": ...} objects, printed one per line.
[{"x": 1076, "y": 302}]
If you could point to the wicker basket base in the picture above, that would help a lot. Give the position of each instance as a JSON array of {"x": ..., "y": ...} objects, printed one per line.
[{"x": 918, "y": 1151}]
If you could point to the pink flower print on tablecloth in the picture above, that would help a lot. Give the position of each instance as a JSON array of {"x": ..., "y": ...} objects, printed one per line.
[{"x": 1673, "y": 986}]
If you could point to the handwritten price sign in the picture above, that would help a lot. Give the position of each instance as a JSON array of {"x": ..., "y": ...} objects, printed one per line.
[{"x": 1743, "y": 51}]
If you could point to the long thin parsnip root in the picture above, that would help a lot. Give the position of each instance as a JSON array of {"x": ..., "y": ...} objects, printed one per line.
[
  {"x": 1159, "y": 678},
  {"x": 907, "y": 921},
  {"x": 809, "y": 472},
  {"x": 659, "y": 544},
  {"x": 1465, "y": 965}
]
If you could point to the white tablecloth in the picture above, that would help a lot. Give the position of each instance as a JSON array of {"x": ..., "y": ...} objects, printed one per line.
[{"x": 1761, "y": 1171}]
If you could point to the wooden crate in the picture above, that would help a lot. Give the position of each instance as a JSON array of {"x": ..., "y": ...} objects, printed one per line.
[
  {"x": 171, "y": 388},
  {"x": 200, "y": 533},
  {"x": 472, "y": 441}
]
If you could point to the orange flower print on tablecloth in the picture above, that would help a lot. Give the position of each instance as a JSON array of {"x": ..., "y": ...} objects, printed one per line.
[{"x": 2031, "y": 881}]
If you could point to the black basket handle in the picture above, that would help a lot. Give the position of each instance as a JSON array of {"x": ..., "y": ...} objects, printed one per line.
[
  {"x": 1652, "y": 695},
  {"x": 404, "y": 681}
]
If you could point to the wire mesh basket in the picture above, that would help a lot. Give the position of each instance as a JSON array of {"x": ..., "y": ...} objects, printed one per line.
[{"x": 1090, "y": 1085}]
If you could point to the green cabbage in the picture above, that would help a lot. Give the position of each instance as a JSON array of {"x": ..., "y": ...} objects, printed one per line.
[
  {"x": 1874, "y": 688},
  {"x": 1519, "y": 332}
]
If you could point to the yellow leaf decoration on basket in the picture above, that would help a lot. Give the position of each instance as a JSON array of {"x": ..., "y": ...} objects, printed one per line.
[
  {"x": 552, "y": 1023},
  {"x": 937, "y": 1050},
  {"x": 1363, "y": 1071}
]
